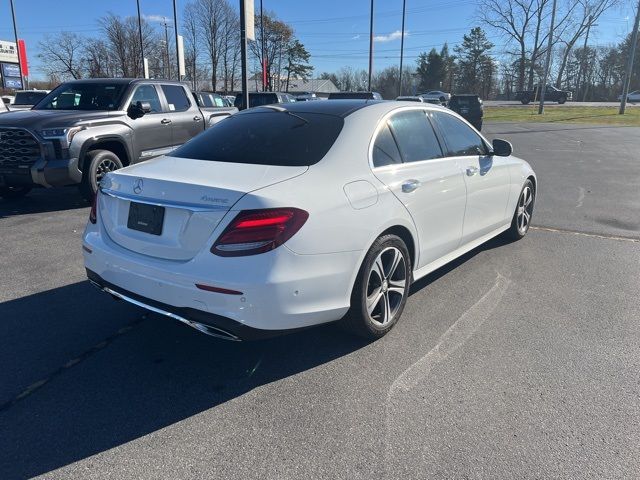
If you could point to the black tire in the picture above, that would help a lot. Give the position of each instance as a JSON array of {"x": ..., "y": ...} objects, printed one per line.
[
  {"x": 525, "y": 100},
  {"x": 516, "y": 230},
  {"x": 373, "y": 323},
  {"x": 10, "y": 193},
  {"x": 96, "y": 164},
  {"x": 561, "y": 100}
]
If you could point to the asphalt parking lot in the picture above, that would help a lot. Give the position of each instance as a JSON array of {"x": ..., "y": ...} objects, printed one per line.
[{"x": 519, "y": 360}]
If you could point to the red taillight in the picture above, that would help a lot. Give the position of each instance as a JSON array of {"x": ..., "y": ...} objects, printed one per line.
[
  {"x": 258, "y": 231},
  {"x": 93, "y": 214}
]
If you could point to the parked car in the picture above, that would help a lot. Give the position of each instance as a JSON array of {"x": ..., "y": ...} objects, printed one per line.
[
  {"x": 257, "y": 99},
  {"x": 260, "y": 226},
  {"x": 26, "y": 99},
  {"x": 86, "y": 128},
  {"x": 632, "y": 96},
  {"x": 355, "y": 96},
  {"x": 410, "y": 99},
  {"x": 213, "y": 100},
  {"x": 551, "y": 94},
  {"x": 436, "y": 96},
  {"x": 306, "y": 97},
  {"x": 469, "y": 107}
]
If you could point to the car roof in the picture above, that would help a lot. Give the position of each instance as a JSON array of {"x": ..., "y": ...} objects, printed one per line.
[{"x": 340, "y": 108}]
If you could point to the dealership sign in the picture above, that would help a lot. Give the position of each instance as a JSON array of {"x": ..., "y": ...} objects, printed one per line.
[
  {"x": 8, "y": 52},
  {"x": 9, "y": 67}
]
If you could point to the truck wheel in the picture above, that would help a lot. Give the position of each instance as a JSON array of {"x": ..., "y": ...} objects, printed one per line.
[
  {"x": 561, "y": 100},
  {"x": 9, "y": 193},
  {"x": 525, "y": 101},
  {"x": 97, "y": 164}
]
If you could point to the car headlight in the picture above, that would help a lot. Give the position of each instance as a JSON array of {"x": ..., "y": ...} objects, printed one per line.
[{"x": 65, "y": 134}]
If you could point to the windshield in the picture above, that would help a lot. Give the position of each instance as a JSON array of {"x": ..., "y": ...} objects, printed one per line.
[
  {"x": 29, "y": 98},
  {"x": 83, "y": 96},
  {"x": 266, "y": 138}
]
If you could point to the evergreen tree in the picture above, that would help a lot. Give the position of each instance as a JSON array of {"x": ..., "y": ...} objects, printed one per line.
[{"x": 475, "y": 65}]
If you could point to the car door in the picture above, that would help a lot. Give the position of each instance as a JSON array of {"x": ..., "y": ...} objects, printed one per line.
[
  {"x": 407, "y": 157},
  {"x": 152, "y": 134},
  {"x": 486, "y": 176},
  {"x": 185, "y": 117}
]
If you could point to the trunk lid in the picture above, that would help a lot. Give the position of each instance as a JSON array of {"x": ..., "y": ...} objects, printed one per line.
[{"x": 194, "y": 194}]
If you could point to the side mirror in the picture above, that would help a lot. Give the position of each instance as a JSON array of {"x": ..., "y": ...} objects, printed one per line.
[
  {"x": 138, "y": 110},
  {"x": 502, "y": 148}
]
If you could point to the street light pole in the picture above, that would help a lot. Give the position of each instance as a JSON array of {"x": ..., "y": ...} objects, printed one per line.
[
  {"x": 627, "y": 78},
  {"x": 140, "y": 34},
  {"x": 543, "y": 87},
  {"x": 264, "y": 60},
  {"x": 243, "y": 54},
  {"x": 166, "y": 41},
  {"x": 370, "y": 47},
  {"x": 404, "y": 5},
  {"x": 175, "y": 29},
  {"x": 15, "y": 34}
]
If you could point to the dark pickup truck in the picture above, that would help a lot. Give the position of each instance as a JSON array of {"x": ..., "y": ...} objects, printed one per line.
[
  {"x": 86, "y": 128},
  {"x": 551, "y": 94}
]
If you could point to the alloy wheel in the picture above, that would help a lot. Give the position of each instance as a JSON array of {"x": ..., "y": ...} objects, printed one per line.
[
  {"x": 105, "y": 166},
  {"x": 525, "y": 209},
  {"x": 386, "y": 286}
]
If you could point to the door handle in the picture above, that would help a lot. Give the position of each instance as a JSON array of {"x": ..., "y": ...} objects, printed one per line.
[
  {"x": 165, "y": 121},
  {"x": 471, "y": 171},
  {"x": 196, "y": 118},
  {"x": 409, "y": 186}
]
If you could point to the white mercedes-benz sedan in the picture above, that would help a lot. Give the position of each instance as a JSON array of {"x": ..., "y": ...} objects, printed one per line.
[{"x": 287, "y": 216}]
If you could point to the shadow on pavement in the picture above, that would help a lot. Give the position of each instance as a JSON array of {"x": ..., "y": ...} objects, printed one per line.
[
  {"x": 41, "y": 200},
  {"x": 155, "y": 374}
]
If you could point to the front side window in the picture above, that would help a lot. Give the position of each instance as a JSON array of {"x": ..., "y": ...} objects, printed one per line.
[
  {"x": 461, "y": 139},
  {"x": 177, "y": 99},
  {"x": 147, "y": 93},
  {"x": 415, "y": 136},
  {"x": 385, "y": 149}
]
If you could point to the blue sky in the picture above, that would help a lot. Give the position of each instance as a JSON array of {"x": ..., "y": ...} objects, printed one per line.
[{"x": 334, "y": 31}]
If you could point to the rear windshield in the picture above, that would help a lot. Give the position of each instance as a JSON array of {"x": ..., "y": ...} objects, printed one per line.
[
  {"x": 465, "y": 101},
  {"x": 351, "y": 96},
  {"x": 266, "y": 138}
]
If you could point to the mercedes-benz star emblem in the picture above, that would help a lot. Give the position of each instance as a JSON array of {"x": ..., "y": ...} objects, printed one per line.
[{"x": 137, "y": 186}]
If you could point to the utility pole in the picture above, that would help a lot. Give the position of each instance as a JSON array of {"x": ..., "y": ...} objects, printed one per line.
[
  {"x": 175, "y": 29},
  {"x": 404, "y": 5},
  {"x": 583, "y": 70},
  {"x": 370, "y": 47},
  {"x": 543, "y": 86},
  {"x": 243, "y": 54},
  {"x": 140, "y": 35},
  {"x": 627, "y": 78},
  {"x": 166, "y": 41},
  {"x": 264, "y": 59},
  {"x": 15, "y": 34}
]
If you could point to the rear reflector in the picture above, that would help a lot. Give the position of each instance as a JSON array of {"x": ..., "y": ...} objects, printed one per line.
[
  {"x": 210, "y": 288},
  {"x": 259, "y": 231}
]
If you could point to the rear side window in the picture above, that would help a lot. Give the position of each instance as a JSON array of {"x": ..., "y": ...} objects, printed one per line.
[
  {"x": 461, "y": 139},
  {"x": 385, "y": 149},
  {"x": 415, "y": 136},
  {"x": 176, "y": 98},
  {"x": 265, "y": 137},
  {"x": 262, "y": 99}
]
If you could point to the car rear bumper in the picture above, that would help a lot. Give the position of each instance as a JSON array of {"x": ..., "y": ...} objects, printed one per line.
[{"x": 276, "y": 291}]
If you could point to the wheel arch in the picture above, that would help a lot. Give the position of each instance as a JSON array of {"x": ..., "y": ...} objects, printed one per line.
[
  {"x": 407, "y": 238},
  {"x": 112, "y": 144}
]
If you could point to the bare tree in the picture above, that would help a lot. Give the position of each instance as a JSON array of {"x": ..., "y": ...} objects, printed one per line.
[
  {"x": 210, "y": 14},
  {"x": 191, "y": 32},
  {"x": 584, "y": 16},
  {"x": 61, "y": 55}
]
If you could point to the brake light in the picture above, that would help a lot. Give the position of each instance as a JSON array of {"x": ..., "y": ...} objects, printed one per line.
[
  {"x": 259, "y": 231},
  {"x": 93, "y": 214}
]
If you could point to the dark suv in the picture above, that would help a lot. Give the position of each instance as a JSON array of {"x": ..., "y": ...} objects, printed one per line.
[{"x": 468, "y": 106}]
